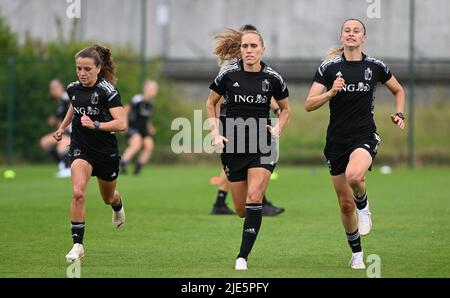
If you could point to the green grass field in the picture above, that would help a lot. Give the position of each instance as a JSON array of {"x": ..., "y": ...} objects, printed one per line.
[{"x": 169, "y": 232}]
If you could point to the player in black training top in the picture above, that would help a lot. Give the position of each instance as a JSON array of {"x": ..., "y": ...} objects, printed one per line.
[
  {"x": 140, "y": 127},
  {"x": 347, "y": 80},
  {"x": 249, "y": 156},
  {"x": 58, "y": 150},
  {"x": 95, "y": 113},
  {"x": 220, "y": 207}
]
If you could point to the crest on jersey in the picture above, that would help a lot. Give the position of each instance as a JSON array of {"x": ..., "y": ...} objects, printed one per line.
[
  {"x": 368, "y": 74},
  {"x": 265, "y": 85},
  {"x": 94, "y": 98}
]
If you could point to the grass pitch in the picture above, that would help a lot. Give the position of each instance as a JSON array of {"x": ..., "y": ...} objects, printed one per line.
[{"x": 169, "y": 233}]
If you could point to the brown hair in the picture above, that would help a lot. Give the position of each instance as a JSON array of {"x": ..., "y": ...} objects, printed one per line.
[
  {"x": 101, "y": 56},
  {"x": 228, "y": 43},
  {"x": 337, "y": 51}
]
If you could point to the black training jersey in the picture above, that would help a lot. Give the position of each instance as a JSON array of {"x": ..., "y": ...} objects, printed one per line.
[
  {"x": 247, "y": 96},
  {"x": 351, "y": 110},
  {"x": 62, "y": 106},
  {"x": 95, "y": 102},
  {"x": 141, "y": 112}
]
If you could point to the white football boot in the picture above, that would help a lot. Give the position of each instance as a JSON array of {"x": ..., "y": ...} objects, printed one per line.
[
  {"x": 241, "y": 264},
  {"x": 357, "y": 260},
  {"x": 118, "y": 218},
  {"x": 76, "y": 253}
]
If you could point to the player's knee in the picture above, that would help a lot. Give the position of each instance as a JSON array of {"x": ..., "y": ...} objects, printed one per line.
[
  {"x": 347, "y": 208},
  {"x": 254, "y": 197},
  {"x": 78, "y": 195},
  {"x": 354, "y": 179},
  {"x": 108, "y": 200}
]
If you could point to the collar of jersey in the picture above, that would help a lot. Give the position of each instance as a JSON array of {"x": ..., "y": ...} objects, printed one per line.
[
  {"x": 93, "y": 86},
  {"x": 358, "y": 61},
  {"x": 263, "y": 66}
]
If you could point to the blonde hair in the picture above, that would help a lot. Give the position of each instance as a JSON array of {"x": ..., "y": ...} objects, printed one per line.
[
  {"x": 228, "y": 44},
  {"x": 334, "y": 52}
]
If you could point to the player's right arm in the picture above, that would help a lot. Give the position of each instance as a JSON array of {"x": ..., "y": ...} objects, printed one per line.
[
  {"x": 218, "y": 106},
  {"x": 57, "y": 135},
  {"x": 317, "y": 97},
  {"x": 216, "y": 138}
]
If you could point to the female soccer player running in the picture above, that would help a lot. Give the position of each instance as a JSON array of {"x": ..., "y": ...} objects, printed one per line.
[
  {"x": 95, "y": 113},
  {"x": 347, "y": 81},
  {"x": 249, "y": 158}
]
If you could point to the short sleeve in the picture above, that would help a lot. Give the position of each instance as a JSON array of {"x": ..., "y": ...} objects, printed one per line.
[
  {"x": 319, "y": 77},
  {"x": 113, "y": 99},
  {"x": 280, "y": 90},
  {"x": 218, "y": 85},
  {"x": 384, "y": 73}
]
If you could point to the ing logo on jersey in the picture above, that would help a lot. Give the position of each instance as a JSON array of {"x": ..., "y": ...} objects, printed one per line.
[
  {"x": 250, "y": 98},
  {"x": 90, "y": 111},
  {"x": 360, "y": 87}
]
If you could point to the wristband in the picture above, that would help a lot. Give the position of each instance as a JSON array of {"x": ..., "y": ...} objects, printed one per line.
[
  {"x": 96, "y": 125},
  {"x": 400, "y": 115}
]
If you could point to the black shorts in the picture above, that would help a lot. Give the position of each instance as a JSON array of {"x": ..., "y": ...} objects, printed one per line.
[
  {"x": 105, "y": 168},
  {"x": 338, "y": 154},
  {"x": 236, "y": 165},
  {"x": 142, "y": 132}
]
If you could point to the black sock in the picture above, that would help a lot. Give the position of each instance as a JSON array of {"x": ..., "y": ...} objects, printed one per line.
[
  {"x": 354, "y": 240},
  {"x": 118, "y": 206},
  {"x": 54, "y": 154},
  {"x": 252, "y": 223},
  {"x": 221, "y": 197},
  {"x": 138, "y": 168},
  {"x": 361, "y": 202},
  {"x": 77, "y": 232}
]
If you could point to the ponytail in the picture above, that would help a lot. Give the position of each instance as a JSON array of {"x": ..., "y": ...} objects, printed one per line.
[
  {"x": 334, "y": 52},
  {"x": 228, "y": 46}
]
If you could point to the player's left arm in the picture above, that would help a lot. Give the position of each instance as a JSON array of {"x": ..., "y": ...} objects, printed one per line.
[
  {"x": 275, "y": 107},
  {"x": 283, "y": 118},
  {"x": 399, "y": 94}
]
